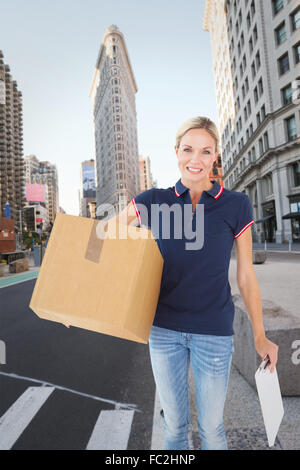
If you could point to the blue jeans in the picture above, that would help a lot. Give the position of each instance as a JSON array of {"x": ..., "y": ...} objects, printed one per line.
[{"x": 210, "y": 355}]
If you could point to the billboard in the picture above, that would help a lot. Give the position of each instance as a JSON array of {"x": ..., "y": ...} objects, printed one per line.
[
  {"x": 35, "y": 192},
  {"x": 88, "y": 181}
]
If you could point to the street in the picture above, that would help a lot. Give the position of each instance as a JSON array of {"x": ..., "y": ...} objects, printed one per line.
[{"x": 89, "y": 373}]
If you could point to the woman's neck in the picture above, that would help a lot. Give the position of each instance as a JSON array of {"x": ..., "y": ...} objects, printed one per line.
[{"x": 196, "y": 188}]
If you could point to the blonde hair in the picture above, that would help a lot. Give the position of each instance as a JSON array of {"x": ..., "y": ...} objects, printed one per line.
[{"x": 198, "y": 122}]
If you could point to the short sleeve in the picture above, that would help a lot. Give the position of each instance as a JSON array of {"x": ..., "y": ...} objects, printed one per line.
[
  {"x": 244, "y": 216},
  {"x": 142, "y": 204}
]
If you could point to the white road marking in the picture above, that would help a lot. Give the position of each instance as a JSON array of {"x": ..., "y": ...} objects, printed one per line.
[
  {"x": 87, "y": 395},
  {"x": 111, "y": 431},
  {"x": 20, "y": 414},
  {"x": 158, "y": 427}
]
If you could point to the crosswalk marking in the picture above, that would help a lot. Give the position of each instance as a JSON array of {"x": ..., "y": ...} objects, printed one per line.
[
  {"x": 111, "y": 431},
  {"x": 20, "y": 414},
  {"x": 66, "y": 389}
]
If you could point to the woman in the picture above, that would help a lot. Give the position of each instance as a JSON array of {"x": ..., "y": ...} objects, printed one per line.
[{"x": 194, "y": 316}]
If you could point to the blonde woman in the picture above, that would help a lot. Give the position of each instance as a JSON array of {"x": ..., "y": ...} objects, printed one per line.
[{"x": 194, "y": 316}]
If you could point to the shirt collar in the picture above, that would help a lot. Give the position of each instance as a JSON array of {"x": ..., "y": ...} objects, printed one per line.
[{"x": 215, "y": 191}]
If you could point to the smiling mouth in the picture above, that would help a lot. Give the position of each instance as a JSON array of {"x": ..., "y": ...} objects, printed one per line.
[{"x": 194, "y": 170}]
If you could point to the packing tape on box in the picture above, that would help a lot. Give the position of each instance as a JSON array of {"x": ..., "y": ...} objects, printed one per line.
[{"x": 95, "y": 244}]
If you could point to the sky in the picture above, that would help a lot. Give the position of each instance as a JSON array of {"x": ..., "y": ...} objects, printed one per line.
[{"x": 52, "y": 48}]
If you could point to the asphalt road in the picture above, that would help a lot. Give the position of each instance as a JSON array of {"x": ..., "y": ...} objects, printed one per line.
[{"x": 115, "y": 373}]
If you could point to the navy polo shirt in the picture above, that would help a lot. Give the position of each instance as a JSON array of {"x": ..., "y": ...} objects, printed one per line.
[{"x": 195, "y": 294}]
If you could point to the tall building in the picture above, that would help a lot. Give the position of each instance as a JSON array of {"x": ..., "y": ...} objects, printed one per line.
[
  {"x": 11, "y": 145},
  {"x": 146, "y": 179},
  {"x": 114, "y": 113},
  {"x": 44, "y": 173},
  {"x": 256, "y": 57},
  {"x": 87, "y": 192}
]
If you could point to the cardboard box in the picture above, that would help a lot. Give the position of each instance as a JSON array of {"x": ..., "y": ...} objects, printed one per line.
[{"x": 109, "y": 285}]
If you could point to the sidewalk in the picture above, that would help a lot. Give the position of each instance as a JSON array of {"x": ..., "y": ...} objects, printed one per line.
[{"x": 279, "y": 281}]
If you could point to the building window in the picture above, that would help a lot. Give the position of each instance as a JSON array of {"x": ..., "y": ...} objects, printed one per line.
[
  {"x": 257, "y": 60},
  {"x": 249, "y": 108},
  {"x": 286, "y": 94},
  {"x": 266, "y": 140},
  {"x": 260, "y": 87},
  {"x": 258, "y": 119},
  {"x": 247, "y": 84},
  {"x": 240, "y": 18},
  {"x": 253, "y": 69},
  {"x": 280, "y": 34},
  {"x": 263, "y": 112},
  {"x": 296, "y": 177},
  {"x": 248, "y": 21},
  {"x": 291, "y": 130},
  {"x": 261, "y": 146},
  {"x": 255, "y": 95},
  {"x": 255, "y": 35},
  {"x": 251, "y": 45},
  {"x": 277, "y": 6},
  {"x": 242, "y": 39},
  {"x": 296, "y": 49},
  {"x": 295, "y": 19},
  {"x": 283, "y": 64}
]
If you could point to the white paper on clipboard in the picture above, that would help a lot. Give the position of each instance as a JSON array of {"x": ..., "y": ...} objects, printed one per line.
[{"x": 270, "y": 401}]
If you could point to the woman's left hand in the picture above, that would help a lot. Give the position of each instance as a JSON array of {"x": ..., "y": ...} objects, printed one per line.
[{"x": 266, "y": 347}]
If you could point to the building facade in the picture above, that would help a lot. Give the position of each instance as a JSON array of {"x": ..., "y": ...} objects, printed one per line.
[
  {"x": 114, "y": 114},
  {"x": 44, "y": 173},
  {"x": 87, "y": 192},
  {"x": 146, "y": 179},
  {"x": 11, "y": 146},
  {"x": 260, "y": 128}
]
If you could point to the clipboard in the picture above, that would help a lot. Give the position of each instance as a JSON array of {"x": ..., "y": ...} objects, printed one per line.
[{"x": 269, "y": 394}]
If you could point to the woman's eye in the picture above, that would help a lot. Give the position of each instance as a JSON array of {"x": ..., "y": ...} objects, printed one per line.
[
  {"x": 206, "y": 151},
  {"x": 186, "y": 150}
]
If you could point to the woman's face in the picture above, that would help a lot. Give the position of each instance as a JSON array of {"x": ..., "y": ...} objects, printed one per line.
[{"x": 197, "y": 151}]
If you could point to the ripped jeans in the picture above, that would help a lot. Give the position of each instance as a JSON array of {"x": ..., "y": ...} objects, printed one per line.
[{"x": 171, "y": 352}]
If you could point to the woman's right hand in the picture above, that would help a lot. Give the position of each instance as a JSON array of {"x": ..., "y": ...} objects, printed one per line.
[{"x": 68, "y": 326}]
